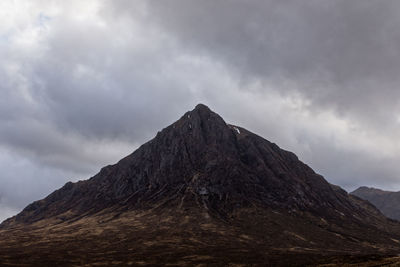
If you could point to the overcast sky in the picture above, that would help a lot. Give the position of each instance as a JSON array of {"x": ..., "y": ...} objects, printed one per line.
[{"x": 84, "y": 83}]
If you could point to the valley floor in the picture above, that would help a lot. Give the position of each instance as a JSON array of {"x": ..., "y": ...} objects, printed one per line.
[{"x": 143, "y": 238}]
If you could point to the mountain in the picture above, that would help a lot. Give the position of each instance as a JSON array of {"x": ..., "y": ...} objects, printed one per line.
[
  {"x": 201, "y": 192},
  {"x": 387, "y": 202}
]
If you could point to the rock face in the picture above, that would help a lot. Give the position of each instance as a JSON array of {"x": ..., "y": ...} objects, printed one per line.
[
  {"x": 210, "y": 187},
  {"x": 387, "y": 202},
  {"x": 202, "y": 159}
]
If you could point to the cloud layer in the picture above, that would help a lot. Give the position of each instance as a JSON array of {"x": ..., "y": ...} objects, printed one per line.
[{"x": 85, "y": 83}]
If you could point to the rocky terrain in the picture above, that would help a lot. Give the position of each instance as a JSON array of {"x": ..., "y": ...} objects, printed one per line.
[
  {"x": 387, "y": 202},
  {"x": 201, "y": 192}
]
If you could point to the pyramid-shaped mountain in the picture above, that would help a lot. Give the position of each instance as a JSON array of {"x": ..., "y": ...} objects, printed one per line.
[{"x": 201, "y": 192}]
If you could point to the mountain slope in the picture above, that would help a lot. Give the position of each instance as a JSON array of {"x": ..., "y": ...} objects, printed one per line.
[
  {"x": 201, "y": 191},
  {"x": 386, "y": 201}
]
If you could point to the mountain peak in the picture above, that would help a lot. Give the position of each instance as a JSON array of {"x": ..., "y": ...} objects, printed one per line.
[
  {"x": 201, "y": 124},
  {"x": 196, "y": 156},
  {"x": 203, "y": 113},
  {"x": 201, "y": 106},
  {"x": 203, "y": 181}
]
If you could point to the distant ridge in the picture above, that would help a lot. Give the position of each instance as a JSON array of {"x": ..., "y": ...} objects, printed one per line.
[{"x": 387, "y": 202}]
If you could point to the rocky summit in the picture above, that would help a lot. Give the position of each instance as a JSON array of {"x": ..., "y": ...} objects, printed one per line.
[{"x": 201, "y": 192}]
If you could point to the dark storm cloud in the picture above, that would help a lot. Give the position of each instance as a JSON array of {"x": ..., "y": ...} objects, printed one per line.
[
  {"x": 339, "y": 54},
  {"x": 84, "y": 83}
]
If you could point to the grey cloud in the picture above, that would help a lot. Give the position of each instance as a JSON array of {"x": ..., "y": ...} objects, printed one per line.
[
  {"x": 339, "y": 54},
  {"x": 109, "y": 91},
  {"x": 86, "y": 89}
]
